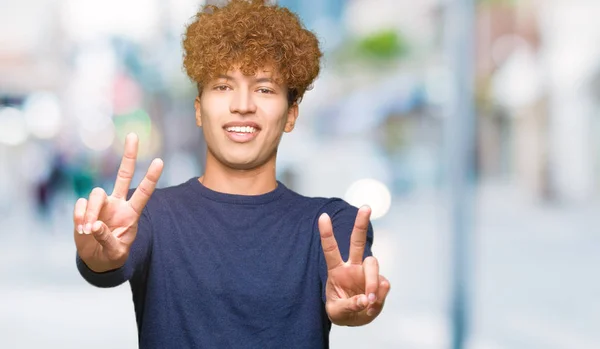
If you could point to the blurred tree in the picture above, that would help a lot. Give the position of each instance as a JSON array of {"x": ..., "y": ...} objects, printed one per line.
[
  {"x": 376, "y": 50},
  {"x": 385, "y": 44}
]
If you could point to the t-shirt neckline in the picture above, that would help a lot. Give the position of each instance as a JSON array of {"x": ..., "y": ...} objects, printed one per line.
[{"x": 194, "y": 182}]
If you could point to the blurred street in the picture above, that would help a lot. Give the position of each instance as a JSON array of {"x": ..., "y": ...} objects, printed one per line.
[{"x": 392, "y": 122}]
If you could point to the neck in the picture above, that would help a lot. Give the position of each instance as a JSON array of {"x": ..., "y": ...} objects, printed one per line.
[{"x": 223, "y": 179}]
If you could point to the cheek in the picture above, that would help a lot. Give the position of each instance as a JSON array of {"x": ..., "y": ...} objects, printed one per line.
[
  {"x": 274, "y": 134},
  {"x": 210, "y": 116},
  {"x": 276, "y": 114}
]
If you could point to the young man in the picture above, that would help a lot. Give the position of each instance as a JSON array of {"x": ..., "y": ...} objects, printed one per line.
[{"x": 234, "y": 259}]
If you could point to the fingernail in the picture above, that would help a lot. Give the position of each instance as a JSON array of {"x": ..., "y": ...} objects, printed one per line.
[
  {"x": 370, "y": 312},
  {"x": 372, "y": 298},
  {"x": 80, "y": 229},
  {"x": 88, "y": 228},
  {"x": 362, "y": 301}
]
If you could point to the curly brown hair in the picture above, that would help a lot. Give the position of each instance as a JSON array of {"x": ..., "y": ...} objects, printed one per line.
[{"x": 251, "y": 35}]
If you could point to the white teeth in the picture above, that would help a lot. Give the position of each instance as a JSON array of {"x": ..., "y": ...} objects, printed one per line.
[{"x": 241, "y": 129}]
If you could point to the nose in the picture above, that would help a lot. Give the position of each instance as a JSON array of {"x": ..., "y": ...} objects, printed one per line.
[{"x": 242, "y": 102}]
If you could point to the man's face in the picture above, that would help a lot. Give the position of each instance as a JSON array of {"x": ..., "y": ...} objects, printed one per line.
[{"x": 244, "y": 117}]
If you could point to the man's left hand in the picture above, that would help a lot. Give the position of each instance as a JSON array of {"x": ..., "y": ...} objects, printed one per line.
[{"x": 355, "y": 291}]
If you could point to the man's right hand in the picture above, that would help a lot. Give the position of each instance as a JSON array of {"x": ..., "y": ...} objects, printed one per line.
[{"x": 106, "y": 226}]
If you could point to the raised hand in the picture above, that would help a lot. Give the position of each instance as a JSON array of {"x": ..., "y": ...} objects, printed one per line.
[
  {"x": 355, "y": 292},
  {"x": 106, "y": 226}
]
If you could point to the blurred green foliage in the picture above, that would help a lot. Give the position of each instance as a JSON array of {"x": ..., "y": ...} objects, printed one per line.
[
  {"x": 386, "y": 44},
  {"x": 376, "y": 50}
]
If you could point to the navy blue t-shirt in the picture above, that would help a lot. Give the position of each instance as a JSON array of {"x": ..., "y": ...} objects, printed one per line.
[{"x": 214, "y": 270}]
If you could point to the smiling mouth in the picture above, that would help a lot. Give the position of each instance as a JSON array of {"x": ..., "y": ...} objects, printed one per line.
[
  {"x": 241, "y": 129},
  {"x": 241, "y": 134}
]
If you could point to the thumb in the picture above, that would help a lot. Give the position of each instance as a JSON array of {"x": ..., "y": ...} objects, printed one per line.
[{"x": 106, "y": 239}]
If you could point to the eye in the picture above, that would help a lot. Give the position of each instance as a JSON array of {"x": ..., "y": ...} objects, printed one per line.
[
  {"x": 221, "y": 88},
  {"x": 265, "y": 90}
]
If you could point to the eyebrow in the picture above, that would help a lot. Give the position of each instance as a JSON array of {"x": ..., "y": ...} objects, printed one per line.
[
  {"x": 265, "y": 80},
  {"x": 259, "y": 80}
]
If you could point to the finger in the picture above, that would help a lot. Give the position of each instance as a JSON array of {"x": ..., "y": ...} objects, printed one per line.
[
  {"x": 371, "y": 270},
  {"x": 384, "y": 289},
  {"x": 98, "y": 199},
  {"x": 78, "y": 215},
  {"x": 382, "y": 293},
  {"x": 333, "y": 258},
  {"x": 142, "y": 194},
  {"x": 127, "y": 167},
  {"x": 358, "y": 239},
  {"x": 104, "y": 236},
  {"x": 353, "y": 304}
]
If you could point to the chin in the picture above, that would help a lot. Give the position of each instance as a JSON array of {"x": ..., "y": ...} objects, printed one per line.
[
  {"x": 242, "y": 164},
  {"x": 243, "y": 160}
]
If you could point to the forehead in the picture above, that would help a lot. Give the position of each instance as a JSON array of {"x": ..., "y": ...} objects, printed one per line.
[{"x": 237, "y": 73}]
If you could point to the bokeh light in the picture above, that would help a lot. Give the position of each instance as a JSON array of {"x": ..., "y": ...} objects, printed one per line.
[
  {"x": 138, "y": 122},
  {"x": 99, "y": 139},
  {"x": 13, "y": 129},
  {"x": 370, "y": 192},
  {"x": 93, "y": 119},
  {"x": 43, "y": 115}
]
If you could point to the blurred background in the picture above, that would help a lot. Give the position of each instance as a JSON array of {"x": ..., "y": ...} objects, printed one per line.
[{"x": 506, "y": 242}]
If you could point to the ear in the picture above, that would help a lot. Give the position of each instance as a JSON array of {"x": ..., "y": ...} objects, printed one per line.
[
  {"x": 292, "y": 115},
  {"x": 198, "y": 114}
]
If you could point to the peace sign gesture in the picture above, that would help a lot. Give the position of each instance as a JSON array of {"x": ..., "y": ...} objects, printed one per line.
[
  {"x": 355, "y": 292},
  {"x": 106, "y": 226}
]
